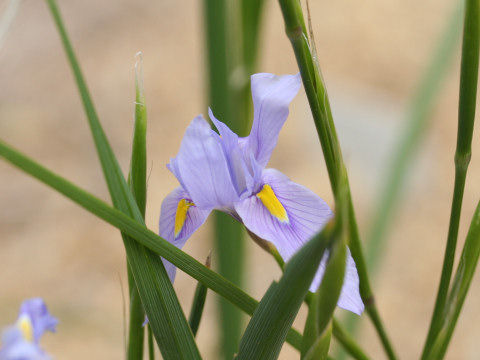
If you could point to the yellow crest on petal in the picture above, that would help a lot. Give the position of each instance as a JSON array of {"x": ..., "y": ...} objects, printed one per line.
[
  {"x": 181, "y": 215},
  {"x": 271, "y": 202},
  {"x": 25, "y": 326}
]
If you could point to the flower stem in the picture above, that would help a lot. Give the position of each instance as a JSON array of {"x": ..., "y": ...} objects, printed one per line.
[
  {"x": 322, "y": 115},
  {"x": 463, "y": 153}
]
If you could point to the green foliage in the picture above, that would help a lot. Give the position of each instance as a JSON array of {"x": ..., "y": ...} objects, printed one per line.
[
  {"x": 159, "y": 300},
  {"x": 267, "y": 329}
]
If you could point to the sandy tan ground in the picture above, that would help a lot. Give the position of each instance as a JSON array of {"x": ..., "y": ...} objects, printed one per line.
[{"x": 372, "y": 54}]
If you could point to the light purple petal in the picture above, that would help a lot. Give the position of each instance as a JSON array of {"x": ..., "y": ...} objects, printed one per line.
[
  {"x": 350, "y": 296},
  {"x": 202, "y": 167},
  {"x": 271, "y": 97},
  {"x": 195, "y": 217},
  {"x": 15, "y": 347},
  {"x": 307, "y": 214},
  {"x": 40, "y": 317}
]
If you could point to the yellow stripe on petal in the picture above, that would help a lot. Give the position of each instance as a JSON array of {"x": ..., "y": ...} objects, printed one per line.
[
  {"x": 181, "y": 215},
  {"x": 271, "y": 202},
  {"x": 25, "y": 326}
]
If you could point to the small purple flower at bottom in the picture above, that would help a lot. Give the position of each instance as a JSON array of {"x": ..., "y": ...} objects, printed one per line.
[
  {"x": 228, "y": 173},
  {"x": 21, "y": 340}
]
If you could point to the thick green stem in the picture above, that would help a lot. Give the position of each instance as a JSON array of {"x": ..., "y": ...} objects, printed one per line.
[
  {"x": 229, "y": 244},
  {"x": 232, "y": 42}
]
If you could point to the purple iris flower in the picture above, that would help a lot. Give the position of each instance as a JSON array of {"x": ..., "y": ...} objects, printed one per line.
[
  {"x": 227, "y": 173},
  {"x": 21, "y": 340}
]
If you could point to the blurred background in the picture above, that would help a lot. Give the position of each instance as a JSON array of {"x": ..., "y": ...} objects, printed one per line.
[{"x": 372, "y": 55}]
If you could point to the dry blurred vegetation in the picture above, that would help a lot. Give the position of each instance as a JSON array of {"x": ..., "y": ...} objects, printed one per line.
[{"x": 372, "y": 54}]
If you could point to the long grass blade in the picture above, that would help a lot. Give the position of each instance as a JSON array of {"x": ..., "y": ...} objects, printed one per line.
[
  {"x": 163, "y": 309},
  {"x": 138, "y": 185}
]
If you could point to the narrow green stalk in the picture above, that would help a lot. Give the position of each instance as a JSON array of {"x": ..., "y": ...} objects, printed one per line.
[
  {"x": 418, "y": 120},
  {"x": 320, "y": 107},
  {"x": 138, "y": 232},
  {"x": 137, "y": 316},
  {"x": 151, "y": 344},
  {"x": 463, "y": 153}
]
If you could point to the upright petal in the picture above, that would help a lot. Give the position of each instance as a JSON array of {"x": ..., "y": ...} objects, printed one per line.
[
  {"x": 235, "y": 161},
  {"x": 202, "y": 167},
  {"x": 179, "y": 218},
  {"x": 271, "y": 97}
]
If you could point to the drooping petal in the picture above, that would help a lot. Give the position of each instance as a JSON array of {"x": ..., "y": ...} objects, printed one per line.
[
  {"x": 179, "y": 218},
  {"x": 350, "y": 295},
  {"x": 15, "y": 347},
  {"x": 283, "y": 212},
  {"x": 202, "y": 167},
  {"x": 288, "y": 215},
  {"x": 271, "y": 97}
]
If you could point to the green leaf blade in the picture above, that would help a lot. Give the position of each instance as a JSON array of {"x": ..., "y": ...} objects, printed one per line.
[
  {"x": 267, "y": 329},
  {"x": 137, "y": 183},
  {"x": 168, "y": 322}
]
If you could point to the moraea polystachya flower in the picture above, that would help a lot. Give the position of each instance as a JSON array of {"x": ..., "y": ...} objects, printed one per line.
[
  {"x": 227, "y": 173},
  {"x": 21, "y": 340}
]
